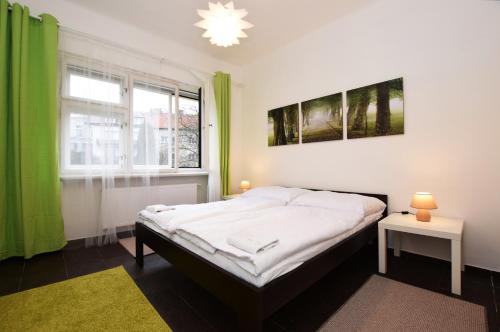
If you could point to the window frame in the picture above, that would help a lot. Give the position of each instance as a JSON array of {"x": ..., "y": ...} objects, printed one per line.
[
  {"x": 175, "y": 107},
  {"x": 98, "y": 67},
  {"x": 125, "y": 108},
  {"x": 184, "y": 94},
  {"x": 66, "y": 166}
]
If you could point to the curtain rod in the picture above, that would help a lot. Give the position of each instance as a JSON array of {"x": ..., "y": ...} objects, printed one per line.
[
  {"x": 135, "y": 51},
  {"x": 131, "y": 50},
  {"x": 119, "y": 68}
]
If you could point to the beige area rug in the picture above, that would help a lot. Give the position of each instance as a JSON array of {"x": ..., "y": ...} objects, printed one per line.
[
  {"x": 383, "y": 304},
  {"x": 129, "y": 244}
]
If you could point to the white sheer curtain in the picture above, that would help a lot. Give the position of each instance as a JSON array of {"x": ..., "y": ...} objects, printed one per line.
[
  {"x": 117, "y": 131},
  {"x": 214, "y": 192}
]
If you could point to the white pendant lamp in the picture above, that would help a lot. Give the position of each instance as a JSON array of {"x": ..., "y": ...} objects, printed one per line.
[{"x": 223, "y": 24}]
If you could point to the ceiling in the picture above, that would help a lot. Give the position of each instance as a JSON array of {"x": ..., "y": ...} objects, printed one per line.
[{"x": 277, "y": 22}]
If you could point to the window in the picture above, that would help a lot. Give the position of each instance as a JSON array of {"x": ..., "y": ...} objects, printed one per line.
[
  {"x": 88, "y": 84},
  {"x": 90, "y": 135},
  {"x": 153, "y": 125},
  {"x": 189, "y": 126},
  {"x": 126, "y": 122}
]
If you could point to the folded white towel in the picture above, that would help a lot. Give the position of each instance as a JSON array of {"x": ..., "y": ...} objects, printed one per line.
[
  {"x": 159, "y": 208},
  {"x": 252, "y": 243}
]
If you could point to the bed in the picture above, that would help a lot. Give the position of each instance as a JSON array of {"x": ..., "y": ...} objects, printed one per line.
[{"x": 254, "y": 299}]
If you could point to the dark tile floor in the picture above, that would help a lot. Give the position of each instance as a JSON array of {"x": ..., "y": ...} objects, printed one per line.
[{"x": 187, "y": 307}]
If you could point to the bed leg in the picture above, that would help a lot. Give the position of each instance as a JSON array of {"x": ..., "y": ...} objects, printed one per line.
[{"x": 139, "y": 250}]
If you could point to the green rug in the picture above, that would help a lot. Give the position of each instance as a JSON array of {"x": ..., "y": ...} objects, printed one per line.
[{"x": 103, "y": 301}]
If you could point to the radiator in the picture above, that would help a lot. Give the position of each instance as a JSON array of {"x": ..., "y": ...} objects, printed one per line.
[{"x": 119, "y": 206}]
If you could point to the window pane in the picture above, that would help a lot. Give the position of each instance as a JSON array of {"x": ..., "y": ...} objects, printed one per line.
[
  {"x": 94, "y": 85},
  {"x": 152, "y": 131},
  {"x": 189, "y": 132},
  {"x": 94, "y": 140}
]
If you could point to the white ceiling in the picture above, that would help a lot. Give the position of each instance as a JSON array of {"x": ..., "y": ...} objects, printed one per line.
[{"x": 277, "y": 22}]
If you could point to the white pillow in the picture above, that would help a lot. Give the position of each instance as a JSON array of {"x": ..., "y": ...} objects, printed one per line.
[
  {"x": 340, "y": 201},
  {"x": 275, "y": 192}
]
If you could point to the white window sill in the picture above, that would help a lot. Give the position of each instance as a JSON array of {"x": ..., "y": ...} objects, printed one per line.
[{"x": 70, "y": 177}]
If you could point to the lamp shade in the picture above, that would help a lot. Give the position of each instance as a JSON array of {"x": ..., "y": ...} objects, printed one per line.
[
  {"x": 423, "y": 200},
  {"x": 245, "y": 185}
]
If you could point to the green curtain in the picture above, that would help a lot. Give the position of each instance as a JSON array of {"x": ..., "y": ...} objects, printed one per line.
[
  {"x": 222, "y": 88},
  {"x": 30, "y": 205}
]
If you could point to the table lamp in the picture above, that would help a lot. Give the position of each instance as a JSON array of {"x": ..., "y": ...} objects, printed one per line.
[
  {"x": 423, "y": 202},
  {"x": 244, "y": 185}
]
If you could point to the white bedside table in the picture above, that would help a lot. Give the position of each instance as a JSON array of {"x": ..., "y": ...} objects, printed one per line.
[
  {"x": 445, "y": 228},
  {"x": 228, "y": 197}
]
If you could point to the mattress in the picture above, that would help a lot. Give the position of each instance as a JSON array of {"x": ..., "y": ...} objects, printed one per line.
[{"x": 283, "y": 267}]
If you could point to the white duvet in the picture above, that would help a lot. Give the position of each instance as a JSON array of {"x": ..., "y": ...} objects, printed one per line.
[
  {"x": 183, "y": 214},
  {"x": 296, "y": 227}
]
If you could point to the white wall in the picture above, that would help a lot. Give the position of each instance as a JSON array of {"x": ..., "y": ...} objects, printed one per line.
[
  {"x": 448, "y": 53},
  {"x": 71, "y": 15},
  {"x": 80, "y": 211}
]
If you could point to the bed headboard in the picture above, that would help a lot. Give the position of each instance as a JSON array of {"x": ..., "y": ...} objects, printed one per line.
[{"x": 384, "y": 198}]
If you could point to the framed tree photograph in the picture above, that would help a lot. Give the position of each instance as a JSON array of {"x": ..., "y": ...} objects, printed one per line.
[
  {"x": 376, "y": 110},
  {"x": 322, "y": 119},
  {"x": 283, "y": 125}
]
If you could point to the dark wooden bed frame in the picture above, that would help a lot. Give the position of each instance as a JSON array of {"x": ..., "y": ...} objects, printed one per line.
[{"x": 251, "y": 303}]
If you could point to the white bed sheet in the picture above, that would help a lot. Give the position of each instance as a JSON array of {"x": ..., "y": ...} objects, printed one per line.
[
  {"x": 298, "y": 228},
  {"x": 278, "y": 270},
  {"x": 179, "y": 215}
]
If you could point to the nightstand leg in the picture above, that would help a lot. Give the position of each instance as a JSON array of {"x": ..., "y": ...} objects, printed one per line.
[
  {"x": 456, "y": 266},
  {"x": 396, "y": 243},
  {"x": 382, "y": 250}
]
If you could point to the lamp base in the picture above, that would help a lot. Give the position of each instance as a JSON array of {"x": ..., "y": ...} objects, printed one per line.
[{"x": 423, "y": 215}]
